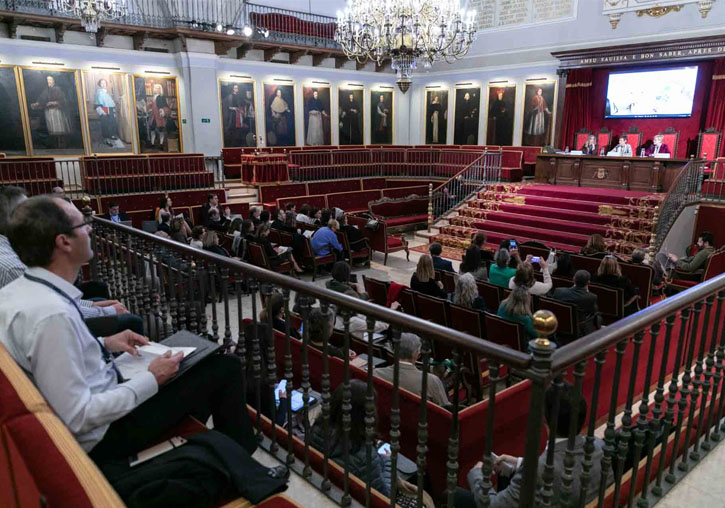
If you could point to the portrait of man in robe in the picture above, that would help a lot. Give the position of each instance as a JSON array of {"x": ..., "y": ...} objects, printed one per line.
[
  {"x": 436, "y": 117},
  {"x": 317, "y": 115},
  {"x": 157, "y": 113},
  {"x": 279, "y": 114},
  {"x": 538, "y": 113},
  {"x": 350, "y": 104},
  {"x": 381, "y": 113},
  {"x": 239, "y": 117},
  {"x": 500, "y": 118},
  {"x": 108, "y": 110},
  {"x": 53, "y": 111},
  {"x": 465, "y": 124},
  {"x": 12, "y": 140}
]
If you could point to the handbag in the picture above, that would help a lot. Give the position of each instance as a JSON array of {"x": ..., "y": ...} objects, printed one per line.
[{"x": 407, "y": 495}]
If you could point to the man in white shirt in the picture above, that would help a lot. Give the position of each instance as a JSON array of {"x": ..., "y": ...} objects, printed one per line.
[
  {"x": 43, "y": 329},
  {"x": 623, "y": 149}
]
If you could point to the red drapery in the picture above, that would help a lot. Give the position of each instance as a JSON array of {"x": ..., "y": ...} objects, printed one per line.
[
  {"x": 716, "y": 106},
  {"x": 577, "y": 110}
]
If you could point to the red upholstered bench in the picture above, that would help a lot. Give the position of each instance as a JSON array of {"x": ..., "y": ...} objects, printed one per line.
[
  {"x": 405, "y": 213},
  {"x": 379, "y": 239},
  {"x": 512, "y": 165},
  {"x": 357, "y": 201},
  {"x": 330, "y": 186},
  {"x": 270, "y": 193}
]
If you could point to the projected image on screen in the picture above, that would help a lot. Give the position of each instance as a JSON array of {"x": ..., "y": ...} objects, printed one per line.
[{"x": 651, "y": 94}]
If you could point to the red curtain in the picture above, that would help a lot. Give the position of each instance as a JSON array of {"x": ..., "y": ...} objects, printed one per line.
[
  {"x": 716, "y": 106},
  {"x": 577, "y": 106}
]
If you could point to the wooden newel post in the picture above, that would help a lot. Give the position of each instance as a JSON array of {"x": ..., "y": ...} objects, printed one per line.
[
  {"x": 430, "y": 206},
  {"x": 653, "y": 235}
]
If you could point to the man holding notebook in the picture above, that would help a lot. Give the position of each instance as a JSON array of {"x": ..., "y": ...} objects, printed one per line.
[{"x": 41, "y": 326}]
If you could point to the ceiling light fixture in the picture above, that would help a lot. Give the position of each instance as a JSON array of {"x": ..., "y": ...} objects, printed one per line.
[{"x": 91, "y": 12}]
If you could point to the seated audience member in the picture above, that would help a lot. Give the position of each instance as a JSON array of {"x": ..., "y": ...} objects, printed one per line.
[
  {"x": 320, "y": 326},
  {"x": 211, "y": 243},
  {"x": 355, "y": 237},
  {"x": 411, "y": 378},
  {"x": 59, "y": 192},
  {"x": 623, "y": 149},
  {"x": 657, "y": 146},
  {"x": 165, "y": 208},
  {"x": 303, "y": 215},
  {"x": 315, "y": 216},
  {"x": 246, "y": 235},
  {"x": 436, "y": 249},
  {"x": 278, "y": 222},
  {"x": 212, "y": 202},
  {"x": 524, "y": 277},
  {"x": 500, "y": 272},
  {"x": 291, "y": 207},
  {"x": 517, "y": 308},
  {"x": 298, "y": 241},
  {"x": 609, "y": 274},
  {"x": 275, "y": 259},
  {"x": 264, "y": 217},
  {"x": 595, "y": 246},
  {"x": 512, "y": 247},
  {"x": 423, "y": 279},
  {"x": 507, "y": 465},
  {"x": 340, "y": 282},
  {"x": 176, "y": 230},
  {"x": 585, "y": 302},
  {"x": 254, "y": 215},
  {"x": 563, "y": 267},
  {"x": 100, "y": 314},
  {"x": 473, "y": 264},
  {"x": 217, "y": 222},
  {"x": 590, "y": 147},
  {"x": 325, "y": 216},
  {"x": 115, "y": 214},
  {"x": 197, "y": 237},
  {"x": 42, "y": 328},
  {"x": 665, "y": 262},
  {"x": 638, "y": 256},
  {"x": 165, "y": 224},
  {"x": 276, "y": 304},
  {"x": 325, "y": 241},
  {"x": 467, "y": 293},
  {"x": 378, "y": 475},
  {"x": 248, "y": 230}
]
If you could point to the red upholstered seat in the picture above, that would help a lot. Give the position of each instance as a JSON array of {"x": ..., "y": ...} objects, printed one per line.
[
  {"x": 406, "y": 219},
  {"x": 604, "y": 139},
  {"x": 671, "y": 138},
  {"x": 580, "y": 138},
  {"x": 708, "y": 146}
]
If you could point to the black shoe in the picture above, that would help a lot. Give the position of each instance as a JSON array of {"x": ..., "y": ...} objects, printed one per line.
[{"x": 278, "y": 472}]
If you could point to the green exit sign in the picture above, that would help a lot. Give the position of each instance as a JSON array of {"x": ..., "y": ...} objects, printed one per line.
[
  {"x": 183, "y": 120},
  {"x": 206, "y": 120}
]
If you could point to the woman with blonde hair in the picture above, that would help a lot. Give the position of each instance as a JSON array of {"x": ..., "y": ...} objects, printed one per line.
[
  {"x": 423, "y": 280},
  {"x": 609, "y": 274},
  {"x": 517, "y": 308},
  {"x": 595, "y": 245},
  {"x": 467, "y": 293},
  {"x": 211, "y": 243}
]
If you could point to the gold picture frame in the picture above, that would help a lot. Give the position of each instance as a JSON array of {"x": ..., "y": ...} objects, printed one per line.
[
  {"x": 293, "y": 111},
  {"x": 305, "y": 113},
  {"x": 550, "y": 99},
  {"x": 432, "y": 136},
  {"x": 373, "y": 104},
  {"x": 21, "y": 113},
  {"x": 129, "y": 112},
  {"x": 487, "y": 135},
  {"x": 355, "y": 90},
  {"x": 454, "y": 111},
  {"x": 32, "y": 149},
  {"x": 245, "y": 81},
  {"x": 177, "y": 98}
]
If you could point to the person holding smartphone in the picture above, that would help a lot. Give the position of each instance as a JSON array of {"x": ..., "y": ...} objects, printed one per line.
[{"x": 500, "y": 271}]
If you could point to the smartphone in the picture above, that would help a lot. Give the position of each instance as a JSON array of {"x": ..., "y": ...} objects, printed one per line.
[
  {"x": 512, "y": 244},
  {"x": 535, "y": 259},
  {"x": 384, "y": 449},
  {"x": 155, "y": 451}
]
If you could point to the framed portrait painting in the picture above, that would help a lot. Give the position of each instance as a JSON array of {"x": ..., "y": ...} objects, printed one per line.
[
  {"x": 238, "y": 112},
  {"x": 538, "y": 113},
  {"x": 350, "y": 106},
  {"x": 52, "y": 107},
  {"x": 108, "y": 111},
  {"x": 279, "y": 114},
  {"x": 316, "y": 100},
  {"x": 12, "y": 140},
  {"x": 466, "y": 115},
  {"x": 156, "y": 101},
  {"x": 436, "y": 117},
  {"x": 500, "y": 114},
  {"x": 381, "y": 115}
]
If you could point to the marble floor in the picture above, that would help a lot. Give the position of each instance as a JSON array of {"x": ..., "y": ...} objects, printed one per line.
[{"x": 703, "y": 487}]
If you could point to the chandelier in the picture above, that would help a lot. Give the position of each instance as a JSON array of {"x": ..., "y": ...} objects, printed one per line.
[
  {"x": 91, "y": 12},
  {"x": 404, "y": 31}
]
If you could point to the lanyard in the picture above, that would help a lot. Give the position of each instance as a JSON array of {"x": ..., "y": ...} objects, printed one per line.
[{"x": 107, "y": 358}]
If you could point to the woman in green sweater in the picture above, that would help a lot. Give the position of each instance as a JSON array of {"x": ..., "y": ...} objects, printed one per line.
[
  {"x": 517, "y": 308},
  {"x": 500, "y": 273}
]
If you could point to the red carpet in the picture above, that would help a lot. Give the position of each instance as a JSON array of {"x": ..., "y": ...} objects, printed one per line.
[{"x": 559, "y": 216}]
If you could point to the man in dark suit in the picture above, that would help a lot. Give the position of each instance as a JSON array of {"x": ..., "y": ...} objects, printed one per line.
[
  {"x": 657, "y": 146},
  {"x": 212, "y": 202},
  {"x": 586, "y": 302},
  {"x": 439, "y": 263},
  {"x": 115, "y": 214}
]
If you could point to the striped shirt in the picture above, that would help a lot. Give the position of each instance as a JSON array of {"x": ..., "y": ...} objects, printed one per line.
[{"x": 11, "y": 268}]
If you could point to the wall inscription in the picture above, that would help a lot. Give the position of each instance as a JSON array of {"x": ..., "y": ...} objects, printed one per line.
[{"x": 492, "y": 14}]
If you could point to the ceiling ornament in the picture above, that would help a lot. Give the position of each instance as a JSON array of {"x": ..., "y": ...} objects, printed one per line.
[
  {"x": 91, "y": 12},
  {"x": 657, "y": 12},
  {"x": 406, "y": 32},
  {"x": 615, "y": 9}
]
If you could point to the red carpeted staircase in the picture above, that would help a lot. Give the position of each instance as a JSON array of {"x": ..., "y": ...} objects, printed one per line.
[{"x": 558, "y": 216}]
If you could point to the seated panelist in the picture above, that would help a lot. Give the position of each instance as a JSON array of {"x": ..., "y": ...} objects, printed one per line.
[
  {"x": 657, "y": 146},
  {"x": 623, "y": 149},
  {"x": 590, "y": 147}
]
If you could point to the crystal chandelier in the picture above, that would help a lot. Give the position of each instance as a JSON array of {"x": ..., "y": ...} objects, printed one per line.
[
  {"x": 91, "y": 12},
  {"x": 404, "y": 31}
]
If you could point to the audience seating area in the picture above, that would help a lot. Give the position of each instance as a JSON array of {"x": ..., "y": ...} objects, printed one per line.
[{"x": 37, "y": 175}]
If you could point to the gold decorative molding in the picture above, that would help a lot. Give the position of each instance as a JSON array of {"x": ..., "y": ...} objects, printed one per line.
[
  {"x": 614, "y": 20},
  {"x": 578, "y": 85},
  {"x": 658, "y": 12},
  {"x": 716, "y": 77},
  {"x": 704, "y": 7}
]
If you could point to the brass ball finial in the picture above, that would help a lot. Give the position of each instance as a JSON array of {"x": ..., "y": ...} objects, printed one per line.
[
  {"x": 545, "y": 324},
  {"x": 86, "y": 200}
]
